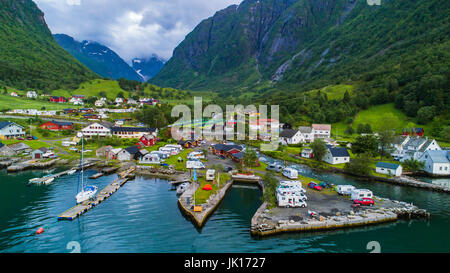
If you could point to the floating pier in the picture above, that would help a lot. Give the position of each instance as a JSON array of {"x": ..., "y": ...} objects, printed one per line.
[
  {"x": 95, "y": 176},
  {"x": 106, "y": 192},
  {"x": 56, "y": 175}
]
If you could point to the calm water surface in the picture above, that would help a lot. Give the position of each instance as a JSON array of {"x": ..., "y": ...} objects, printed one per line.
[{"x": 143, "y": 216}]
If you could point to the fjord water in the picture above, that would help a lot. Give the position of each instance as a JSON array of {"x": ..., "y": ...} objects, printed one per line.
[{"x": 143, "y": 216}]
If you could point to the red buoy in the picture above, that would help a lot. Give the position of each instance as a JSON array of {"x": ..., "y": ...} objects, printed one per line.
[{"x": 40, "y": 230}]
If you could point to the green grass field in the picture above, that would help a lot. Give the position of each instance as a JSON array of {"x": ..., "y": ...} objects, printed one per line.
[
  {"x": 93, "y": 88},
  {"x": 380, "y": 117},
  {"x": 333, "y": 91},
  {"x": 8, "y": 102}
]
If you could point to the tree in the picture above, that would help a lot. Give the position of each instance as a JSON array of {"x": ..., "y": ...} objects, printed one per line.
[
  {"x": 250, "y": 158},
  {"x": 413, "y": 165},
  {"x": 270, "y": 185},
  {"x": 359, "y": 165},
  {"x": 349, "y": 130},
  {"x": 445, "y": 134},
  {"x": 425, "y": 114},
  {"x": 385, "y": 140},
  {"x": 365, "y": 144},
  {"x": 367, "y": 129},
  {"x": 360, "y": 129},
  {"x": 319, "y": 149},
  {"x": 102, "y": 94}
]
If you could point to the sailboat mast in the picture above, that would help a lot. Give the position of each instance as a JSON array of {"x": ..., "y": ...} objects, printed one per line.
[{"x": 82, "y": 163}]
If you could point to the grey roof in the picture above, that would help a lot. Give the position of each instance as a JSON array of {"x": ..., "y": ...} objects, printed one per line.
[
  {"x": 43, "y": 149},
  {"x": 305, "y": 129},
  {"x": 339, "y": 152},
  {"x": 425, "y": 146},
  {"x": 439, "y": 156},
  {"x": 19, "y": 146},
  {"x": 133, "y": 129},
  {"x": 288, "y": 133},
  {"x": 399, "y": 140},
  {"x": 387, "y": 165},
  {"x": 415, "y": 142},
  {"x": 307, "y": 150}
]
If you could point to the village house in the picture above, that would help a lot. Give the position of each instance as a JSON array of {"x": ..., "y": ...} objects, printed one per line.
[
  {"x": 90, "y": 116},
  {"x": 291, "y": 136},
  {"x": 133, "y": 132},
  {"x": 103, "y": 151},
  {"x": 101, "y": 129},
  {"x": 130, "y": 153},
  {"x": 147, "y": 140},
  {"x": 99, "y": 103},
  {"x": 119, "y": 101},
  {"x": 226, "y": 149},
  {"x": 39, "y": 153},
  {"x": 57, "y": 125},
  {"x": 6, "y": 151},
  {"x": 388, "y": 168},
  {"x": 20, "y": 147},
  {"x": 307, "y": 153},
  {"x": 321, "y": 130},
  {"x": 150, "y": 159},
  {"x": 58, "y": 99},
  {"x": 113, "y": 154},
  {"x": 336, "y": 155},
  {"x": 70, "y": 111},
  {"x": 398, "y": 145},
  {"x": 10, "y": 130},
  {"x": 32, "y": 95},
  {"x": 14, "y": 94},
  {"x": 132, "y": 101},
  {"x": 188, "y": 143},
  {"x": 308, "y": 133},
  {"x": 416, "y": 146},
  {"x": 437, "y": 162},
  {"x": 76, "y": 101}
]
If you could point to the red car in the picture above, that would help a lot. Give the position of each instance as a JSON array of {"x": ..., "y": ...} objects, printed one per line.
[
  {"x": 314, "y": 186},
  {"x": 364, "y": 202}
]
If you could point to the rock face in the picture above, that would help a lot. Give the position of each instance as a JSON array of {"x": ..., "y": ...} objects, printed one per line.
[
  {"x": 98, "y": 58},
  {"x": 297, "y": 41}
]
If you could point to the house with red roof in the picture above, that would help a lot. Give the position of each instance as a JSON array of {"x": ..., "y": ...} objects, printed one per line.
[
  {"x": 57, "y": 125},
  {"x": 321, "y": 130}
]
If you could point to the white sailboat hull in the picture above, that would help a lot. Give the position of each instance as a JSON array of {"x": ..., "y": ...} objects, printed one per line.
[{"x": 86, "y": 195}]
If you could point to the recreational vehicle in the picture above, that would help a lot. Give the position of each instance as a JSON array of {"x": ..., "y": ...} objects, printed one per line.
[
  {"x": 210, "y": 174},
  {"x": 361, "y": 193},
  {"x": 290, "y": 173},
  {"x": 345, "y": 189},
  {"x": 290, "y": 201},
  {"x": 194, "y": 165}
]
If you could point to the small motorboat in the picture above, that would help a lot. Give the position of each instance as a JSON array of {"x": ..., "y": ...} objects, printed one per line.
[
  {"x": 87, "y": 193},
  {"x": 49, "y": 171},
  {"x": 71, "y": 172},
  {"x": 95, "y": 176},
  {"x": 182, "y": 188},
  {"x": 49, "y": 180},
  {"x": 32, "y": 180}
]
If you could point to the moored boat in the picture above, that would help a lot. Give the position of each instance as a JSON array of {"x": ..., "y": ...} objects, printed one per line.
[{"x": 182, "y": 188}]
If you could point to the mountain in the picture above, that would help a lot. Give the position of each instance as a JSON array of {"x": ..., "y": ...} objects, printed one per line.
[
  {"x": 29, "y": 56},
  {"x": 147, "y": 68},
  {"x": 295, "y": 45},
  {"x": 98, "y": 58}
]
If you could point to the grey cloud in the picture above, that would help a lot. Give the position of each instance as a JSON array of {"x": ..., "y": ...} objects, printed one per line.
[{"x": 132, "y": 28}]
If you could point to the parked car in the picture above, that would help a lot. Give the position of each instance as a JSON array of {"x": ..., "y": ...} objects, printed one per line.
[
  {"x": 20, "y": 138},
  {"x": 364, "y": 202},
  {"x": 30, "y": 138},
  {"x": 274, "y": 167},
  {"x": 314, "y": 186},
  {"x": 228, "y": 169}
]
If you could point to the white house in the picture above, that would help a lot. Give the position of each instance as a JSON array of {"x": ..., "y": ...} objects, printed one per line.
[
  {"x": 290, "y": 136},
  {"x": 14, "y": 94},
  {"x": 307, "y": 153},
  {"x": 416, "y": 146},
  {"x": 102, "y": 129},
  {"x": 10, "y": 130},
  {"x": 398, "y": 146},
  {"x": 388, "y": 168},
  {"x": 322, "y": 130},
  {"x": 336, "y": 155},
  {"x": 76, "y": 101},
  {"x": 99, "y": 103},
  {"x": 32, "y": 95},
  {"x": 437, "y": 162},
  {"x": 308, "y": 133},
  {"x": 118, "y": 101}
]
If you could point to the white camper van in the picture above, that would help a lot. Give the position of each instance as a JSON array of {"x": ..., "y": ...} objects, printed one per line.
[
  {"x": 361, "y": 193},
  {"x": 194, "y": 165},
  {"x": 210, "y": 174},
  {"x": 293, "y": 201},
  {"x": 345, "y": 189},
  {"x": 290, "y": 173}
]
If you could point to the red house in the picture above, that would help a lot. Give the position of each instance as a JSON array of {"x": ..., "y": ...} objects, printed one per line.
[
  {"x": 57, "y": 125},
  {"x": 146, "y": 141},
  {"x": 58, "y": 99},
  {"x": 413, "y": 132}
]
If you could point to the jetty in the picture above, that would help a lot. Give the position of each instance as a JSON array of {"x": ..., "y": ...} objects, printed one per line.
[
  {"x": 31, "y": 164},
  {"x": 56, "y": 175},
  {"x": 106, "y": 192},
  {"x": 95, "y": 176}
]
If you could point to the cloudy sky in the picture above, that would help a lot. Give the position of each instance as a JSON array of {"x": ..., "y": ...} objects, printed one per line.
[{"x": 132, "y": 28}]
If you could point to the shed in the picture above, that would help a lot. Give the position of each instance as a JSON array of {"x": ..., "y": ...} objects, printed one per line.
[
  {"x": 103, "y": 151},
  {"x": 388, "y": 168}
]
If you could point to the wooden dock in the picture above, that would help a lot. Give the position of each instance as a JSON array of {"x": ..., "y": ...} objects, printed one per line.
[
  {"x": 56, "y": 175},
  {"x": 106, "y": 192}
]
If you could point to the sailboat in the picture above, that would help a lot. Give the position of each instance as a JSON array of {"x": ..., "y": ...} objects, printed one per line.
[{"x": 87, "y": 192}]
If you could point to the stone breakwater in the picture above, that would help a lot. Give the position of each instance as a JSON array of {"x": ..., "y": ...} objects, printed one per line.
[
  {"x": 31, "y": 164},
  {"x": 263, "y": 223}
]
